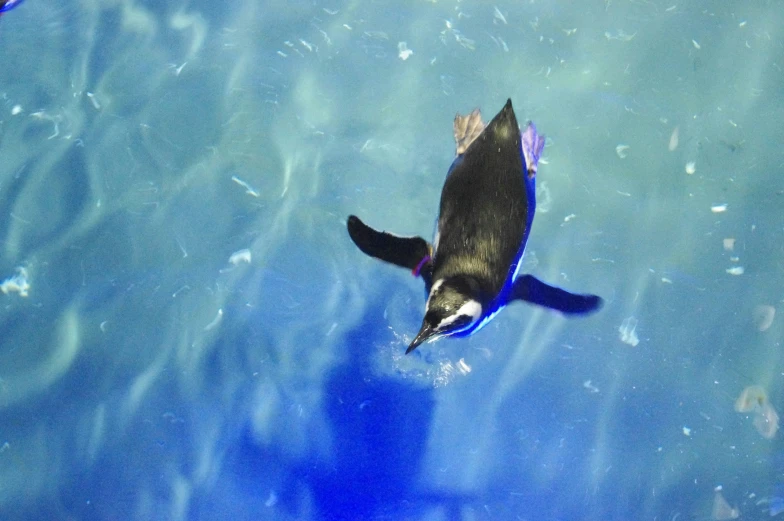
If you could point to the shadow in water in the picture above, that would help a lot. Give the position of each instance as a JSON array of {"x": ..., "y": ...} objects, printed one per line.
[
  {"x": 379, "y": 429},
  {"x": 379, "y": 433}
]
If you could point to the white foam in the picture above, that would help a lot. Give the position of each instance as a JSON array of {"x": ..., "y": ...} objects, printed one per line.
[{"x": 17, "y": 284}]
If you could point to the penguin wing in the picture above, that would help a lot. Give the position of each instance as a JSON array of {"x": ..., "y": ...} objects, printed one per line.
[
  {"x": 533, "y": 290},
  {"x": 413, "y": 253}
]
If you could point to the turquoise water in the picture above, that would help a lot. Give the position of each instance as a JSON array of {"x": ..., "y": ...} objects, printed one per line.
[{"x": 144, "y": 375}]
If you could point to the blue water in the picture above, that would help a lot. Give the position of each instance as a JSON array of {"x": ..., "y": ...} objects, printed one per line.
[{"x": 145, "y": 376}]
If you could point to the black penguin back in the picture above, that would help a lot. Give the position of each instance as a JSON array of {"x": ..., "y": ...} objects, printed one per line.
[{"x": 484, "y": 208}]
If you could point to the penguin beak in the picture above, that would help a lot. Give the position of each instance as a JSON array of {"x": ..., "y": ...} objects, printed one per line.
[{"x": 425, "y": 333}]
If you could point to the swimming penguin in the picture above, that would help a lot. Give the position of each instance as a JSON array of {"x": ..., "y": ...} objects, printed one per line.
[{"x": 487, "y": 207}]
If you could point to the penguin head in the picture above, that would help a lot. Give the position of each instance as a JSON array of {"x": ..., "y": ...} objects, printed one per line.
[{"x": 453, "y": 306}]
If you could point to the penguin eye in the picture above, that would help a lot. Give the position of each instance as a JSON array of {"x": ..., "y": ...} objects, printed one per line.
[
  {"x": 466, "y": 319},
  {"x": 460, "y": 321}
]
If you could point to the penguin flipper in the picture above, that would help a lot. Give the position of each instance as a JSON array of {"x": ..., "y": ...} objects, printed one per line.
[
  {"x": 533, "y": 290},
  {"x": 413, "y": 253}
]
